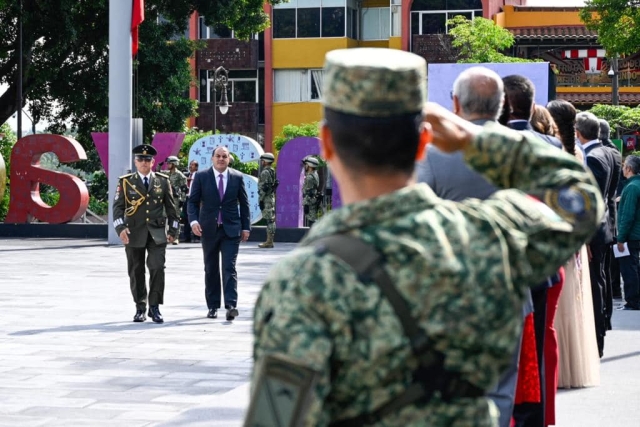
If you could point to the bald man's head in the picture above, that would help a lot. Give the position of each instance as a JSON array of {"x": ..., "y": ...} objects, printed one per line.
[{"x": 479, "y": 93}]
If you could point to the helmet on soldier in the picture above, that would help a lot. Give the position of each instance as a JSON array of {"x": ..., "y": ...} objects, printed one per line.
[
  {"x": 268, "y": 157},
  {"x": 173, "y": 159},
  {"x": 311, "y": 161}
]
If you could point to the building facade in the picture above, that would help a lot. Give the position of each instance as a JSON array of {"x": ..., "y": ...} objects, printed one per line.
[{"x": 275, "y": 79}]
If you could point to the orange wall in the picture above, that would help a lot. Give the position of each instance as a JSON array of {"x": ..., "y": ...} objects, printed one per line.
[{"x": 510, "y": 18}]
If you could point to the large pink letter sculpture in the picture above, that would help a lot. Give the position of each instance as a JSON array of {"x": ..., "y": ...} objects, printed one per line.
[{"x": 26, "y": 176}]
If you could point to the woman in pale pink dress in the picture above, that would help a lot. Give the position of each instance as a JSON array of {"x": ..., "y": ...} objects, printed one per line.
[{"x": 579, "y": 364}]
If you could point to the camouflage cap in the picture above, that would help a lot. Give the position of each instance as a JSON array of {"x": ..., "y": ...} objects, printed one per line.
[{"x": 374, "y": 82}]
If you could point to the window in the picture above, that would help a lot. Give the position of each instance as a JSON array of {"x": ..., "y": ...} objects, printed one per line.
[
  {"x": 217, "y": 31},
  {"x": 431, "y": 16},
  {"x": 311, "y": 19},
  {"x": 333, "y": 22},
  {"x": 375, "y": 23},
  {"x": 284, "y": 23},
  {"x": 242, "y": 86},
  {"x": 297, "y": 85},
  {"x": 352, "y": 23},
  {"x": 396, "y": 18},
  {"x": 308, "y": 22}
]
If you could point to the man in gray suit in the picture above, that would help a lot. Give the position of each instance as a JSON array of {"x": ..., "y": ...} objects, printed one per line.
[{"x": 478, "y": 95}]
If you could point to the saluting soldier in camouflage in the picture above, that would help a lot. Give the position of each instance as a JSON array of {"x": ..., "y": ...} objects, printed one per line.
[
  {"x": 267, "y": 197},
  {"x": 461, "y": 267},
  {"x": 143, "y": 208},
  {"x": 310, "y": 189}
]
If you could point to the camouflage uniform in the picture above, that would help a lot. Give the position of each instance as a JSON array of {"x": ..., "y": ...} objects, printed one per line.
[
  {"x": 468, "y": 294},
  {"x": 179, "y": 184},
  {"x": 267, "y": 197},
  {"x": 309, "y": 192},
  {"x": 462, "y": 268}
]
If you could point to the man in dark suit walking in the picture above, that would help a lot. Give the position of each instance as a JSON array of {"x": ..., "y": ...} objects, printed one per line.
[
  {"x": 601, "y": 162},
  {"x": 219, "y": 214},
  {"x": 143, "y": 207}
]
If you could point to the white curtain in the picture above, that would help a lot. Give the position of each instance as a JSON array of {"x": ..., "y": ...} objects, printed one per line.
[
  {"x": 292, "y": 85},
  {"x": 317, "y": 76},
  {"x": 288, "y": 85}
]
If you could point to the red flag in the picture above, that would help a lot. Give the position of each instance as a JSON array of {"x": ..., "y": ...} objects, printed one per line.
[{"x": 137, "y": 16}]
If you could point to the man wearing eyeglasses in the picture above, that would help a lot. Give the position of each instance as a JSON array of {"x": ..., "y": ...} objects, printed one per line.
[{"x": 143, "y": 207}]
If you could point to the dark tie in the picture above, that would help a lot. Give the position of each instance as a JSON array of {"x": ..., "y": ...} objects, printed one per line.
[
  {"x": 146, "y": 183},
  {"x": 221, "y": 193}
]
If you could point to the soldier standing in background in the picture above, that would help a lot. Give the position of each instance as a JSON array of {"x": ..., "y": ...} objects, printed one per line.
[
  {"x": 417, "y": 336},
  {"x": 186, "y": 228},
  {"x": 267, "y": 185},
  {"x": 310, "y": 189},
  {"x": 143, "y": 208},
  {"x": 178, "y": 184}
]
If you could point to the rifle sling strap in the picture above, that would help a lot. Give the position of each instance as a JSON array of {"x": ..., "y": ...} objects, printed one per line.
[{"x": 431, "y": 375}]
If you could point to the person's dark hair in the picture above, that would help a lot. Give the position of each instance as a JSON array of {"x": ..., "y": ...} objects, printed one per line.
[
  {"x": 633, "y": 163},
  {"x": 564, "y": 114},
  {"x": 503, "y": 119},
  {"x": 542, "y": 121},
  {"x": 380, "y": 144},
  {"x": 521, "y": 93},
  {"x": 588, "y": 125}
]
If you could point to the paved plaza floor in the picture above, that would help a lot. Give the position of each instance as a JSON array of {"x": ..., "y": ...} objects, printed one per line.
[{"x": 70, "y": 355}]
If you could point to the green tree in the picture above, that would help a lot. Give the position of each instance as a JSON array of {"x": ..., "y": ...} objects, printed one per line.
[
  {"x": 293, "y": 131},
  {"x": 480, "y": 40},
  {"x": 6, "y": 145},
  {"x": 617, "y": 23},
  {"x": 65, "y": 59},
  {"x": 622, "y": 119}
]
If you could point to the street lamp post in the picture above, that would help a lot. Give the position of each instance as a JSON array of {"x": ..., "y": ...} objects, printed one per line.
[
  {"x": 220, "y": 78},
  {"x": 613, "y": 73}
]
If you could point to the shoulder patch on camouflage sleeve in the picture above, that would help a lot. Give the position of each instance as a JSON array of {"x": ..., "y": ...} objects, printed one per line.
[{"x": 570, "y": 202}]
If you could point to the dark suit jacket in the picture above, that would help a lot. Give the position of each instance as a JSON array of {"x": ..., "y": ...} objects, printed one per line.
[
  {"x": 450, "y": 177},
  {"x": 204, "y": 204},
  {"x": 601, "y": 162},
  {"x": 616, "y": 177},
  {"x": 522, "y": 125}
]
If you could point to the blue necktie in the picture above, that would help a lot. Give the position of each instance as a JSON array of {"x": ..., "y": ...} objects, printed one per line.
[{"x": 146, "y": 183}]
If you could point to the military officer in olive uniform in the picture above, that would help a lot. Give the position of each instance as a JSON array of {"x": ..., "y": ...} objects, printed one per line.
[
  {"x": 417, "y": 333},
  {"x": 143, "y": 209},
  {"x": 267, "y": 184},
  {"x": 310, "y": 189}
]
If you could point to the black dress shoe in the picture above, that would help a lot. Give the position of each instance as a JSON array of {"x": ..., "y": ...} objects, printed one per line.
[
  {"x": 154, "y": 313},
  {"x": 232, "y": 313},
  {"x": 139, "y": 317},
  {"x": 213, "y": 313}
]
